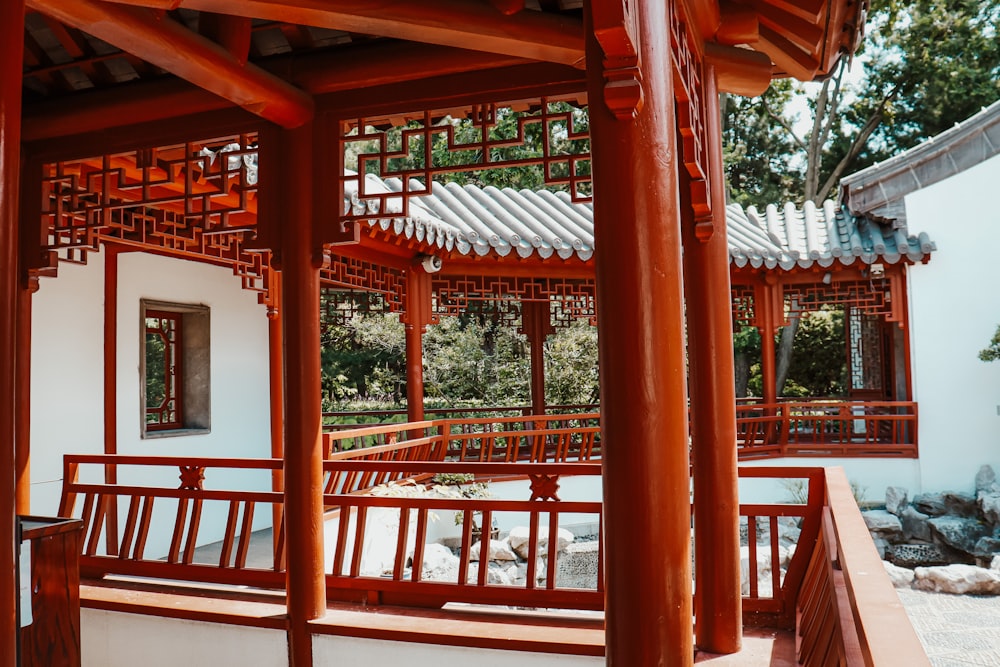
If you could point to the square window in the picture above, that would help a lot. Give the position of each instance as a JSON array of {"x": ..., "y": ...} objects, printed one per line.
[{"x": 175, "y": 369}]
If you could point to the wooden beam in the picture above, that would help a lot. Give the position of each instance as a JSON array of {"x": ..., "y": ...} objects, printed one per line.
[
  {"x": 170, "y": 46},
  {"x": 469, "y": 25},
  {"x": 739, "y": 71},
  {"x": 364, "y": 66}
]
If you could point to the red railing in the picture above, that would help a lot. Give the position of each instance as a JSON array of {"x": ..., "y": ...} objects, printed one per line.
[
  {"x": 849, "y": 613},
  {"x": 204, "y": 530},
  {"x": 827, "y": 428}
]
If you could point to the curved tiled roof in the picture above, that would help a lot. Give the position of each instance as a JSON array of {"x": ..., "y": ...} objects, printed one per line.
[
  {"x": 471, "y": 220},
  {"x": 790, "y": 237}
]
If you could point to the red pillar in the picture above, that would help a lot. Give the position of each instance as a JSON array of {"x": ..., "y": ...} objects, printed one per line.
[
  {"x": 301, "y": 259},
  {"x": 764, "y": 304},
  {"x": 536, "y": 325},
  {"x": 416, "y": 317},
  {"x": 718, "y": 603},
  {"x": 641, "y": 345},
  {"x": 22, "y": 443},
  {"x": 275, "y": 347},
  {"x": 11, "y": 53}
]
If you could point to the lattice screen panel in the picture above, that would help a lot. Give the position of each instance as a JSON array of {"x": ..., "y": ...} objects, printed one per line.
[{"x": 549, "y": 135}]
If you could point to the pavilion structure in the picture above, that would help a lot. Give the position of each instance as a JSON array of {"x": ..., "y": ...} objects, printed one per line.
[{"x": 129, "y": 124}]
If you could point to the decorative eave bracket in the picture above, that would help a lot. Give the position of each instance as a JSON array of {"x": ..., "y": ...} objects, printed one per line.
[{"x": 615, "y": 30}]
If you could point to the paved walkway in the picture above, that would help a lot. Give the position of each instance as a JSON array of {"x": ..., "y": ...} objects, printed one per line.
[{"x": 956, "y": 630}]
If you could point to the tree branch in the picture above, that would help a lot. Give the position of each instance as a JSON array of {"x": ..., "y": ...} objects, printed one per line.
[{"x": 780, "y": 120}]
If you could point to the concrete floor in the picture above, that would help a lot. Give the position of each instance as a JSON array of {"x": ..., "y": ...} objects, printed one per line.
[{"x": 956, "y": 630}]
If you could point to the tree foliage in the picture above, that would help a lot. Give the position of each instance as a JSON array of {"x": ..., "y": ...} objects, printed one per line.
[{"x": 928, "y": 65}]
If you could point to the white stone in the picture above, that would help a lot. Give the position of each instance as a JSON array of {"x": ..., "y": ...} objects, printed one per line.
[
  {"x": 882, "y": 524},
  {"x": 439, "y": 564},
  {"x": 901, "y": 577},
  {"x": 989, "y": 504},
  {"x": 499, "y": 550},
  {"x": 986, "y": 480},
  {"x": 896, "y": 499},
  {"x": 995, "y": 564},
  {"x": 520, "y": 535},
  {"x": 957, "y": 579}
]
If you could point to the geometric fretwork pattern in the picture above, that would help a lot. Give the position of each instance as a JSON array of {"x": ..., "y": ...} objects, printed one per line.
[
  {"x": 569, "y": 299},
  {"x": 548, "y": 134},
  {"x": 743, "y": 305},
  {"x": 690, "y": 110},
  {"x": 340, "y": 306},
  {"x": 356, "y": 274},
  {"x": 872, "y": 296},
  {"x": 196, "y": 199},
  {"x": 864, "y": 335}
]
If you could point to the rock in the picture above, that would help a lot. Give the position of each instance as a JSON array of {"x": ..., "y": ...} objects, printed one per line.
[
  {"x": 957, "y": 532},
  {"x": 883, "y": 525},
  {"x": 900, "y": 577},
  {"x": 494, "y": 575},
  {"x": 764, "y": 578},
  {"x": 577, "y": 566},
  {"x": 987, "y": 546},
  {"x": 986, "y": 480},
  {"x": 989, "y": 506},
  {"x": 499, "y": 550},
  {"x": 995, "y": 563},
  {"x": 520, "y": 535},
  {"x": 959, "y": 504},
  {"x": 439, "y": 564},
  {"x": 957, "y": 579},
  {"x": 896, "y": 499},
  {"x": 916, "y": 555},
  {"x": 881, "y": 546},
  {"x": 915, "y": 525},
  {"x": 931, "y": 504}
]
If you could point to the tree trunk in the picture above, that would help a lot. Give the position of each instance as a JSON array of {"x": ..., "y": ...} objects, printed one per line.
[
  {"x": 742, "y": 367},
  {"x": 783, "y": 357}
]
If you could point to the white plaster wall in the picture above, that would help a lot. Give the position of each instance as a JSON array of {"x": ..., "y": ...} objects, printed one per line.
[
  {"x": 115, "y": 639},
  {"x": 67, "y": 380},
  {"x": 67, "y": 371},
  {"x": 869, "y": 475},
  {"x": 329, "y": 651},
  {"x": 954, "y": 311}
]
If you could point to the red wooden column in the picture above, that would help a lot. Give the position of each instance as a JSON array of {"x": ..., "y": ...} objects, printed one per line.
[
  {"x": 275, "y": 349},
  {"x": 11, "y": 53},
  {"x": 536, "y": 325},
  {"x": 300, "y": 261},
  {"x": 416, "y": 317},
  {"x": 717, "y": 603},
  {"x": 765, "y": 305},
  {"x": 22, "y": 443},
  {"x": 641, "y": 323}
]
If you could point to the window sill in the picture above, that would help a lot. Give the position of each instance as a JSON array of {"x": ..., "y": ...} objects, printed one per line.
[{"x": 174, "y": 433}]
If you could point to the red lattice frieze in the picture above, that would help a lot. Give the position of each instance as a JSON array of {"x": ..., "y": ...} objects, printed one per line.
[
  {"x": 872, "y": 297},
  {"x": 340, "y": 306},
  {"x": 689, "y": 95},
  {"x": 553, "y": 136},
  {"x": 743, "y": 306},
  {"x": 569, "y": 298},
  {"x": 210, "y": 186},
  {"x": 355, "y": 274}
]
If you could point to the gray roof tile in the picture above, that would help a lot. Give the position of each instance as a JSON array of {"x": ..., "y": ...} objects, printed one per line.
[{"x": 473, "y": 220}]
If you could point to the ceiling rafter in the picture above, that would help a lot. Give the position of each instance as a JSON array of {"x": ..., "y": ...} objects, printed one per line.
[
  {"x": 172, "y": 47},
  {"x": 468, "y": 25}
]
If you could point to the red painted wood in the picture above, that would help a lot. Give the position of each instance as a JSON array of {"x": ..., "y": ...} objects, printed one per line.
[
  {"x": 111, "y": 376},
  {"x": 476, "y": 26},
  {"x": 300, "y": 262},
  {"x": 53, "y": 638},
  {"x": 643, "y": 388},
  {"x": 11, "y": 53},
  {"x": 536, "y": 325},
  {"x": 718, "y": 616},
  {"x": 276, "y": 375},
  {"x": 416, "y": 318},
  {"x": 160, "y": 40},
  {"x": 22, "y": 422}
]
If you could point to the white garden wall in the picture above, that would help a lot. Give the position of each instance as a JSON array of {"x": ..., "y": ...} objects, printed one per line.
[
  {"x": 954, "y": 311},
  {"x": 67, "y": 375}
]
